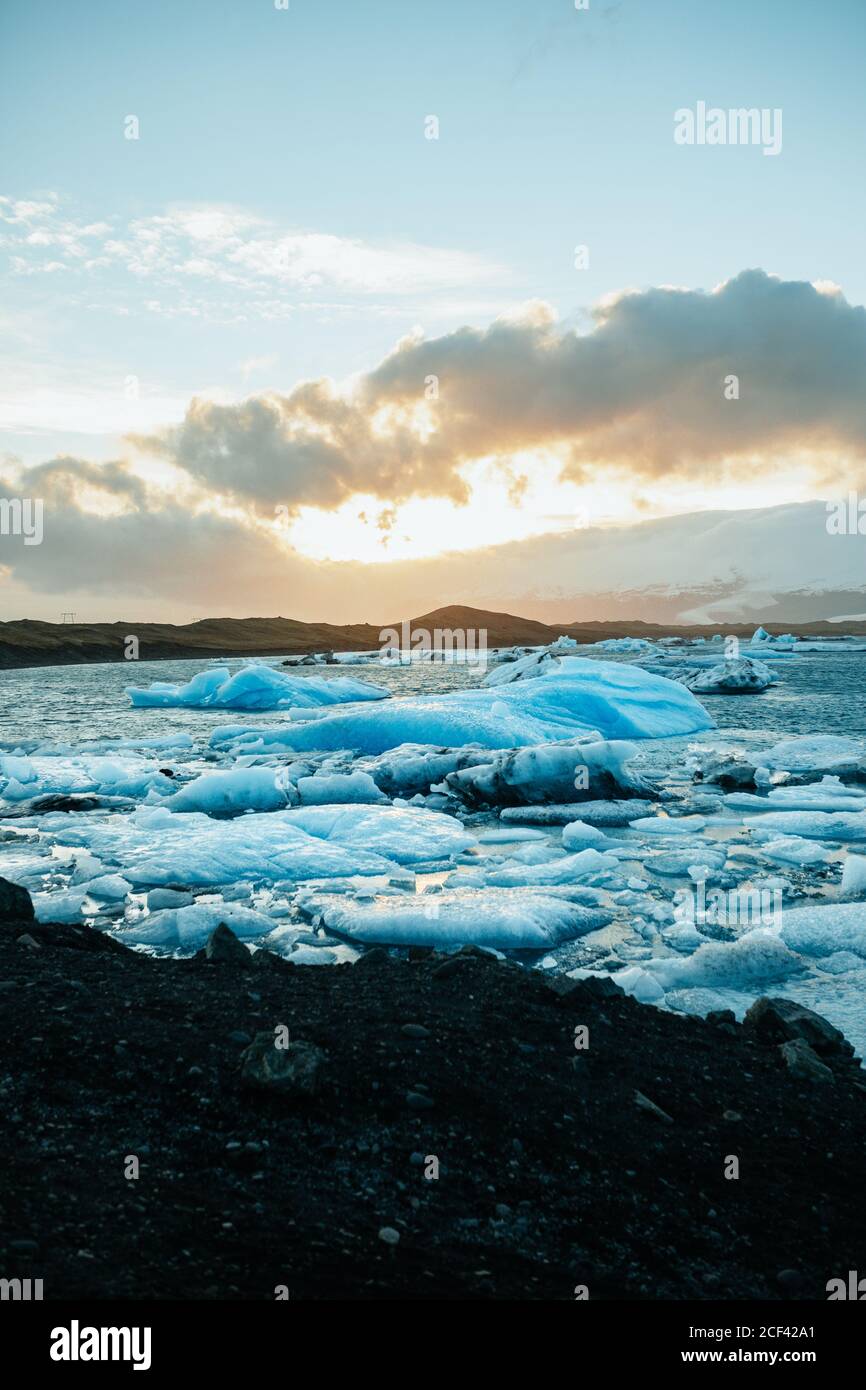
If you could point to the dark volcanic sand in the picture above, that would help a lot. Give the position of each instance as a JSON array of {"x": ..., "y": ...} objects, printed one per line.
[{"x": 551, "y": 1176}]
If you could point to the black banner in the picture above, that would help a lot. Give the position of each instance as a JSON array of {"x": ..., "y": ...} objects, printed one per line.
[{"x": 156, "y": 1338}]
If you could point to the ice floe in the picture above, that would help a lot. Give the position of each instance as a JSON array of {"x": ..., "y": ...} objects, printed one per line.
[
  {"x": 508, "y": 919},
  {"x": 24, "y": 779},
  {"x": 740, "y": 677},
  {"x": 157, "y": 847},
  {"x": 256, "y": 687},
  {"x": 821, "y": 929},
  {"x": 821, "y": 825}
]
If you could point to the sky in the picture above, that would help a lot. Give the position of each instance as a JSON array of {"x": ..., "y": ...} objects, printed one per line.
[{"x": 284, "y": 327}]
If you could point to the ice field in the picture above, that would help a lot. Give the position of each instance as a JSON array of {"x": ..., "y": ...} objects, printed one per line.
[{"x": 595, "y": 809}]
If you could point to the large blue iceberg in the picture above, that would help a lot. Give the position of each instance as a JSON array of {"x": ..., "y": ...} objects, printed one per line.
[{"x": 578, "y": 696}]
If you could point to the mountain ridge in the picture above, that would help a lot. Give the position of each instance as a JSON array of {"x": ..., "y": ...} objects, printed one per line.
[{"x": 31, "y": 642}]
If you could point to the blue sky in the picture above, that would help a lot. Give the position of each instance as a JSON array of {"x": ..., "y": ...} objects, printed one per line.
[{"x": 267, "y": 134}]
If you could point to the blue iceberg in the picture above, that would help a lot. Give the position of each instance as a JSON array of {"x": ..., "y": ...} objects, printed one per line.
[
  {"x": 578, "y": 696},
  {"x": 255, "y": 687}
]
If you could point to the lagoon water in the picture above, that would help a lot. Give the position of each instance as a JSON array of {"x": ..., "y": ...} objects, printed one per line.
[{"x": 818, "y": 692}]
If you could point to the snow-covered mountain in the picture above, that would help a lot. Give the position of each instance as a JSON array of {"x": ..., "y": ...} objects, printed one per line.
[{"x": 779, "y": 564}]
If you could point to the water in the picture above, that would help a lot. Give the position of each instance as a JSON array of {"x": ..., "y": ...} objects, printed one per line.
[
  {"x": 818, "y": 692},
  {"x": 69, "y": 704}
]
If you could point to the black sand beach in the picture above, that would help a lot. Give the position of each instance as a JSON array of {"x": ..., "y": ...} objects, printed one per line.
[{"x": 601, "y": 1168}]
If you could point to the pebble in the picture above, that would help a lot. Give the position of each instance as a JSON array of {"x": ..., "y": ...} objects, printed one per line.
[{"x": 416, "y": 1101}]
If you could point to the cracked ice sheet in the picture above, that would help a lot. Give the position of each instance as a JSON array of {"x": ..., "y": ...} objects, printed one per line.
[
  {"x": 503, "y": 918},
  {"x": 581, "y": 696},
  {"x": 153, "y": 847}
]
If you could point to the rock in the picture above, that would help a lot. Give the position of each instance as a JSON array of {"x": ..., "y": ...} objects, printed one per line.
[
  {"x": 28, "y": 940},
  {"x": 416, "y": 1101},
  {"x": 16, "y": 904},
  {"x": 268, "y": 960},
  {"x": 389, "y": 1235},
  {"x": 601, "y": 987},
  {"x": 773, "y": 1020},
  {"x": 721, "y": 1017},
  {"x": 728, "y": 770},
  {"x": 59, "y": 801},
  {"x": 223, "y": 948},
  {"x": 292, "y": 1071},
  {"x": 791, "y": 1280},
  {"x": 593, "y": 987},
  {"x": 415, "y": 1030},
  {"x": 452, "y": 966},
  {"x": 803, "y": 1063},
  {"x": 644, "y": 1103},
  {"x": 376, "y": 957}
]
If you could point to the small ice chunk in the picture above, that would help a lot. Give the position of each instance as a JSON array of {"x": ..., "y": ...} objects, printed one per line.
[
  {"x": 668, "y": 825},
  {"x": 794, "y": 850},
  {"x": 854, "y": 877},
  {"x": 578, "y": 834},
  {"x": 339, "y": 789},
  {"x": 60, "y": 907},
  {"x": 108, "y": 888}
]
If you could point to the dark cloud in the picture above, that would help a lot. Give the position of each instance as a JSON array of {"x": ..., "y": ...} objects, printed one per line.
[
  {"x": 645, "y": 389},
  {"x": 310, "y": 447}
]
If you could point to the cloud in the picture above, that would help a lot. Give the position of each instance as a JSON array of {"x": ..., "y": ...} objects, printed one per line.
[
  {"x": 235, "y": 250},
  {"x": 642, "y": 394},
  {"x": 313, "y": 447},
  {"x": 638, "y": 399},
  {"x": 645, "y": 388},
  {"x": 144, "y": 545}
]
